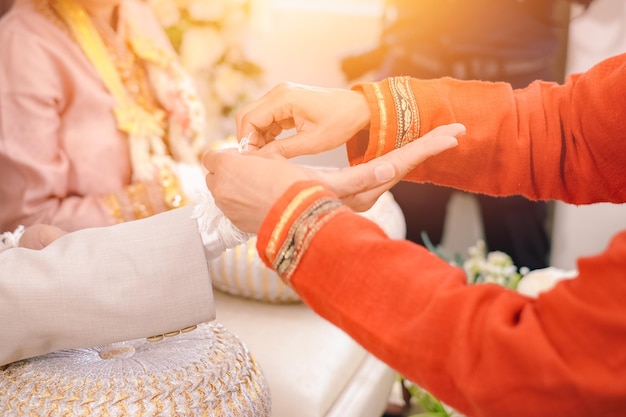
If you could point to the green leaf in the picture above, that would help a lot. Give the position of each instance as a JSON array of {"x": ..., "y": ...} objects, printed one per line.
[
  {"x": 437, "y": 250},
  {"x": 426, "y": 400}
]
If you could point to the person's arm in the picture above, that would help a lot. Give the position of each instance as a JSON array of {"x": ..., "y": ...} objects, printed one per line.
[
  {"x": 545, "y": 142},
  {"x": 33, "y": 167},
  {"x": 104, "y": 285},
  {"x": 483, "y": 349}
]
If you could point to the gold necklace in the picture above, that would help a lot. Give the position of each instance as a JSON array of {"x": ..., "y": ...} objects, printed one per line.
[
  {"x": 134, "y": 77},
  {"x": 131, "y": 117}
]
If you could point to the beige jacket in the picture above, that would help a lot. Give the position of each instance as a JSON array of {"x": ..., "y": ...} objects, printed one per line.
[{"x": 103, "y": 285}]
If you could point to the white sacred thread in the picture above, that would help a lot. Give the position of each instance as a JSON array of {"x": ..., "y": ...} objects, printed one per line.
[{"x": 244, "y": 143}]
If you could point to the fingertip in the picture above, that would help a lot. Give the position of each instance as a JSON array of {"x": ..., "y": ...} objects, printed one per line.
[
  {"x": 208, "y": 156},
  {"x": 209, "y": 159},
  {"x": 461, "y": 129},
  {"x": 252, "y": 137},
  {"x": 384, "y": 172}
]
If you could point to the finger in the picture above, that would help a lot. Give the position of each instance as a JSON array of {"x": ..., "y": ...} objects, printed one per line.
[
  {"x": 390, "y": 168},
  {"x": 300, "y": 143},
  {"x": 265, "y": 153},
  {"x": 411, "y": 155},
  {"x": 267, "y": 116},
  {"x": 365, "y": 200},
  {"x": 40, "y": 235},
  {"x": 452, "y": 129},
  {"x": 243, "y": 128},
  {"x": 351, "y": 181},
  {"x": 209, "y": 160},
  {"x": 49, "y": 235}
]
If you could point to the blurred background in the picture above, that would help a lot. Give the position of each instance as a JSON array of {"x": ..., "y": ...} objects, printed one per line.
[{"x": 304, "y": 41}]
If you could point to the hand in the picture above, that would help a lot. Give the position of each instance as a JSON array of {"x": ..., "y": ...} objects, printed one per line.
[
  {"x": 246, "y": 186},
  {"x": 364, "y": 184},
  {"x": 39, "y": 236},
  {"x": 324, "y": 119}
]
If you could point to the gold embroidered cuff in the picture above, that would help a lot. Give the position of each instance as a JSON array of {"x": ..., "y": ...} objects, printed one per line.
[
  {"x": 407, "y": 115},
  {"x": 301, "y": 233},
  {"x": 286, "y": 217},
  {"x": 395, "y": 118},
  {"x": 292, "y": 223}
]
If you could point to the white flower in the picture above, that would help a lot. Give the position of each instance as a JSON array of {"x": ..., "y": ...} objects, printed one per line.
[
  {"x": 207, "y": 10},
  {"x": 499, "y": 258},
  {"x": 166, "y": 11},
  {"x": 209, "y": 36},
  {"x": 228, "y": 84},
  {"x": 494, "y": 267},
  {"x": 201, "y": 48},
  {"x": 541, "y": 280},
  {"x": 233, "y": 24}
]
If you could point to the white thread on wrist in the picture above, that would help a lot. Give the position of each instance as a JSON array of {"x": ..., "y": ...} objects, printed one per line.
[{"x": 10, "y": 240}]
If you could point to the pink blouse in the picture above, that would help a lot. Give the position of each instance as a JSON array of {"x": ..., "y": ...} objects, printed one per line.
[{"x": 61, "y": 153}]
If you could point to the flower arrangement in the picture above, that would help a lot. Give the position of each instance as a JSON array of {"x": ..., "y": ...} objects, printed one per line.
[{"x": 209, "y": 36}]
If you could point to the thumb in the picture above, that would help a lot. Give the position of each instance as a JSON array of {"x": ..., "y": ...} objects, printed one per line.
[
  {"x": 360, "y": 178},
  {"x": 405, "y": 159},
  {"x": 384, "y": 172},
  {"x": 39, "y": 236}
]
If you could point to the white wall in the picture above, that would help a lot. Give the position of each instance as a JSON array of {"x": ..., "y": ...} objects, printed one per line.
[{"x": 302, "y": 40}]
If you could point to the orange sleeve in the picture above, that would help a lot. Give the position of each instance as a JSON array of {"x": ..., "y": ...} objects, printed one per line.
[
  {"x": 546, "y": 141},
  {"x": 483, "y": 349}
]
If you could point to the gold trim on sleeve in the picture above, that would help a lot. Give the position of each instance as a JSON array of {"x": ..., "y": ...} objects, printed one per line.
[
  {"x": 382, "y": 130},
  {"x": 407, "y": 114},
  {"x": 301, "y": 234},
  {"x": 270, "y": 251}
]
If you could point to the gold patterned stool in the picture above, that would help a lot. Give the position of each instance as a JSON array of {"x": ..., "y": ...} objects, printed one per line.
[{"x": 204, "y": 372}]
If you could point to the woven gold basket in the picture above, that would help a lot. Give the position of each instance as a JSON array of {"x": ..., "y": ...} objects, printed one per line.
[{"x": 205, "y": 372}]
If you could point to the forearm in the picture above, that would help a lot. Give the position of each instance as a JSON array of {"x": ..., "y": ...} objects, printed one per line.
[
  {"x": 543, "y": 141},
  {"x": 472, "y": 346},
  {"x": 103, "y": 285},
  {"x": 71, "y": 211}
]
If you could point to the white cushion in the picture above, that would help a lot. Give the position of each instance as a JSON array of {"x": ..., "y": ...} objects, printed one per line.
[
  {"x": 240, "y": 271},
  {"x": 310, "y": 365},
  {"x": 207, "y": 371}
]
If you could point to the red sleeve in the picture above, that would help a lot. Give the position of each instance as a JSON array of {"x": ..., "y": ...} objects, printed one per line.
[
  {"x": 484, "y": 349},
  {"x": 547, "y": 141}
]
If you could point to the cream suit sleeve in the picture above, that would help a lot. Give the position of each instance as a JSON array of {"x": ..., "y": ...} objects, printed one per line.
[{"x": 103, "y": 285}]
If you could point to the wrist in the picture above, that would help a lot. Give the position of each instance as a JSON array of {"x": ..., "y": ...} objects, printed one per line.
[
  {"x": 362, "y": 113},
  {"x": 144, "y": 199}
]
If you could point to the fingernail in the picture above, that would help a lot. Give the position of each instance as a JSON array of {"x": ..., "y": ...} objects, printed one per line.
[{"x": 384, "y": 172}]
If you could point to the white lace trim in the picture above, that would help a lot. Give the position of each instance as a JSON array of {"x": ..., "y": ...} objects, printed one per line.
[{"x": 10, "y": 240}]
